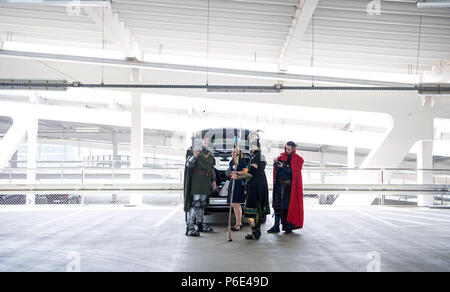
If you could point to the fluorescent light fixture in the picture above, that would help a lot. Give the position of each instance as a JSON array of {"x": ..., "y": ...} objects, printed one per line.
[
  {"x": 28, "y": 84},
  {"x": 433, "y": 4},
  {"x": 437, "y": 92},
  {"x": 275, "y": 89}
]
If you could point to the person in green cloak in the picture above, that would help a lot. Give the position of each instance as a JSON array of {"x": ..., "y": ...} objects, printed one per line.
[{"x": 199, "y": 182}]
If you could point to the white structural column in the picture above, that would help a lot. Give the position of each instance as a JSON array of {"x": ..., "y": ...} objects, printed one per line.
[
  {"x": 115, "y": 146},
  {"x": 13, "y": 161},
  {"x": 323, "y": 173},
  {"x": 424, "y": 162},
  {"x": 11, "y": 141},
  {"x": 351, "y": 160},
  {"x": 322, "y": 197},
  {"x": 137, "y": 135},
  {"x": 351, "y": 163},
  {"x": 305, "y": 11},
  {"x": 351, "y": 150},
  {"x": 32, "y": 133},
  {"x": 405, "y": 132}
]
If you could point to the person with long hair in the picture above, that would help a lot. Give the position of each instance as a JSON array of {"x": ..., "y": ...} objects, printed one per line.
[
  {"x": 239, "y": 184},
  {"x": 257, "y": 194}
]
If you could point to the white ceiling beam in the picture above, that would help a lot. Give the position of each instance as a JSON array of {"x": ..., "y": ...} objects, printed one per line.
[
  {"x": 171, "y": 122},
  {"x": 114, "y": 29},
  {"x": 268, "y": 75},
  {"x": 304, "y": 13}
]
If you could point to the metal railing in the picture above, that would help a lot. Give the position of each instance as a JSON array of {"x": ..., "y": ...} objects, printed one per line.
[
  {"x": 323, "y": 186},
  {"x": 84, "y": 175},
  {"x": 311, "y": 175},
  {"x": 103, "y": 161}
]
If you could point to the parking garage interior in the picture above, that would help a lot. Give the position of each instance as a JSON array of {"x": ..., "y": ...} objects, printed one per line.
[{"x": 100, "y": 100}]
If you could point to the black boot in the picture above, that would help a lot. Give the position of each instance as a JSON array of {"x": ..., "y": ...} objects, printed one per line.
[
  {"x": 283, "y": 221},
  {"x": 205, "y": 228},
  {"x": 191, "y": 231},
  {"x": 287, "y": 229},
  {"x": 256, "y": 234},
  {"x": 274, "y": 229}
]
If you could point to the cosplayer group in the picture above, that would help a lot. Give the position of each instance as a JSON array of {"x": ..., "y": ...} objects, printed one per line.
[{"x": 250, "y": 189}]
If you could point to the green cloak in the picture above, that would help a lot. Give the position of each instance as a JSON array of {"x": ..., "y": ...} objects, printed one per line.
[
  {"x": 187, "y": 183},
  {"x": 188, "y": 180}
]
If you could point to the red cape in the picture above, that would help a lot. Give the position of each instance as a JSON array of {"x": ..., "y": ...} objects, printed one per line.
[{"x": 295, "y": 213}]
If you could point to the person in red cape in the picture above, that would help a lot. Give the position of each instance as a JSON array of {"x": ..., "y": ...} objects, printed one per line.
[{"x": 288, "y": 191}]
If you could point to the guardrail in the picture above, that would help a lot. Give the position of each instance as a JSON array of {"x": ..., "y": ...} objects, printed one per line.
[
  {"x": 321, "y": 185},
  {"x": 311, "y": 175}
]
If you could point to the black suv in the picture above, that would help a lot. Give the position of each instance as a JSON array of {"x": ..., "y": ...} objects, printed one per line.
[{"x": 222, "y": 143}]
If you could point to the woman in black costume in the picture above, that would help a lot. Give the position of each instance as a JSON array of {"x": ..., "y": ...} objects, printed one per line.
[{"x": 257, "y": 194}]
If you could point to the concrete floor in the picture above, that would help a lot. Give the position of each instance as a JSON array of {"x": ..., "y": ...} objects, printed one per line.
[{"x": 152, "y": 238}]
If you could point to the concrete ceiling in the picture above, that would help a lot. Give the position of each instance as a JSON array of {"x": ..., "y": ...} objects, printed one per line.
[
  {"x": 340, "y": 35},
  {"x": 346, "y": 35}
]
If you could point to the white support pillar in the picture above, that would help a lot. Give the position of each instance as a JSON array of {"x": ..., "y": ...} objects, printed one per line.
[
  {"x": 351, "y": 161},
  {"x": 405, "y": 132},
  {"x": 13, "y": 162},
  {"x": 115, "y": 146},
  {"x": 137, "y": 135},
  {"x": 322, "y": 197},
  {"x": 323, "y": 165},
  {"x": 32, "y": 133},
  {"x": 351, "y": 150},
  {"x": 11, "y": 141},
  {"x": 137, "y": 131},
  {"x": 425, "y": 161}
]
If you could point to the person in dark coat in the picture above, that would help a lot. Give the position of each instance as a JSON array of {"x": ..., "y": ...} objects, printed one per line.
[
  {"x": 199, "y": 182},
  {"x": 257, "y": 196},
  {"x": 288, "y": 191}
]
